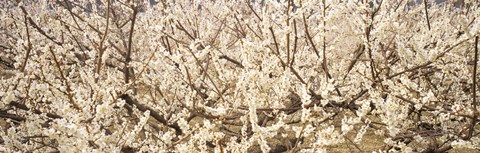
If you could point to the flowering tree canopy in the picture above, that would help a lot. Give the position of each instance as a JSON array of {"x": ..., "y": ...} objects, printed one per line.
[{"x": 238, "y": 76}]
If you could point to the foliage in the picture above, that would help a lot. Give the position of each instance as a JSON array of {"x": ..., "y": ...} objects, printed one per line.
[{"x": 238, "y": 76}]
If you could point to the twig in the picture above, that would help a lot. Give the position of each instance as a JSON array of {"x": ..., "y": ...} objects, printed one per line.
[
  {"x": 129, "y": 49},
  {"x": 448, "y": 49},
  {"x": 358, "y": 53},
  {"x": 153, "y": 113},
  {"x": 34, "y": 25},
  {"x": 251, "y": 8},
  {"x": 240, "y": 30},
  {"x": 29, "y": 46},
  {"x": 208, "y": 76},
  {"x": 309, "y": 37},
  {"x": 288, "y": 34},
  {"x": 324, "y": 46},
  {"x": 220, "y": 28},
  {"x": 299, "y": 137},
  {"x": 426, "y": 14},
  {"x": 102, "y": 49},
  {"x": 73, "y": 15},
  {"x": 297, "y": 75},
  {"x": 275, "y": 40},
  {"x": 182, "y": 28},
  {"x": 232, "y": 60},
  {"x": 277, "y": 48},
  {"x": 65, "y": 80},
  {"x": 474, "y": 88},
  {"x": 294, "y": 42},
  {"x": 12, "y": 116},
  {"x": 25, "y": 108},
  {"x": 356, "y": 146}
]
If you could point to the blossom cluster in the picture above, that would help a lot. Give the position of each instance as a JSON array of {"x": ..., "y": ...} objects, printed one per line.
[{"x": 238, "y": 76}]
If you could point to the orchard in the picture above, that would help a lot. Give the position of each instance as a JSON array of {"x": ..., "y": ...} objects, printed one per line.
[{"x": 239, "y": 76}]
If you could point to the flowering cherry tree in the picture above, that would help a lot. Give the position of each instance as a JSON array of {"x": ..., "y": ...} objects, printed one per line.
[{"x": 238, "y": 76}]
